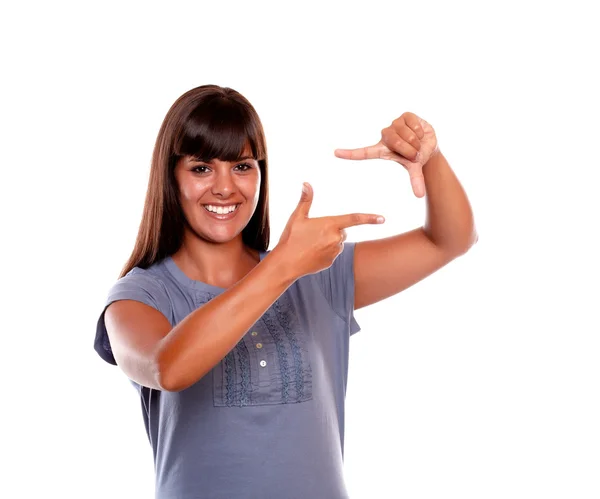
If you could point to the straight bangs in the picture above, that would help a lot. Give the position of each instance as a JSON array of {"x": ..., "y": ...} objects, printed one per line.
[{"x": 220, "y": 128}]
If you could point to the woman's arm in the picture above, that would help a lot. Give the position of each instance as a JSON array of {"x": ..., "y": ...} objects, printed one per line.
[
  {"x": 384, "y": 267},
  {"x": 155, "y": 355},
  {"x": 158, "y": 356}
]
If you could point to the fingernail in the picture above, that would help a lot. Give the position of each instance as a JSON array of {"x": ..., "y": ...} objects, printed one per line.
[
  {"x": 380, "y": 220},
  {"x": 304, "y": 189}
]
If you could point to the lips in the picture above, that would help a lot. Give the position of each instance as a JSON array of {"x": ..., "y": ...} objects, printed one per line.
[
  {"x": 221, "y": 216},
  {"x": 221, "y": 209}
]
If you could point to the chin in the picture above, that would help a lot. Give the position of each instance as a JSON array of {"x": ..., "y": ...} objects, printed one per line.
[
  {"x": 215, "y": 232},
  {"x": 216, "y": 236}
]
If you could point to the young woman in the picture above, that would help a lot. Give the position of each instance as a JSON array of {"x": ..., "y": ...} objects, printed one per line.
[{"x": 240, "y": 354}]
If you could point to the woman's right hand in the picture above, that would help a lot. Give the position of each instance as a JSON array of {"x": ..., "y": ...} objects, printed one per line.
[{"x": 309, "y": 245}]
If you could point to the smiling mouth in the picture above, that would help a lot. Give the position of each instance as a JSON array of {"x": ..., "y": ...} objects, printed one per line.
[{"x": 220, "y": 211}]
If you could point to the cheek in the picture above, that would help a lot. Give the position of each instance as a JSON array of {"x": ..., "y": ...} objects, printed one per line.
[
  {"x": 191, "y": 191},
  {"x": 251, "y": 188}
]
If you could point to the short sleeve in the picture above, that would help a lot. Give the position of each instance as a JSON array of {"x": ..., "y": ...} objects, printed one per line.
[
  {"x": 337, "y": 283},
  {"x": 140, "y": 286}
]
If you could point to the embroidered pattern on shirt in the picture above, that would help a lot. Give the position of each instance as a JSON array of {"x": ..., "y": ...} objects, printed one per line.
[
  {"x": 290, "y": 329},
  {"x": 295, "y": 373},
  {"x": 238, "y": 357},
  {"x": 281, "y": 320},
  {"x": 275, "y": 329},
  {"x": 277, "y": 373}
]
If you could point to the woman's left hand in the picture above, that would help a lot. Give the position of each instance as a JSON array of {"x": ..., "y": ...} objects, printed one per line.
[{"x": 409, "y": 140}]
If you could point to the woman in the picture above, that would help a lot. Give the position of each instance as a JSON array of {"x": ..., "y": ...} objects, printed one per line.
[{"x": 240, "y": 354}]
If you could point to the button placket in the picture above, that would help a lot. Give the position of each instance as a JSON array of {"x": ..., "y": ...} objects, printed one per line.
[{"x": 260, "y": 354}]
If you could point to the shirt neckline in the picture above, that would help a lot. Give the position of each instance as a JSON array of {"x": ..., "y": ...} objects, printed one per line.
[{"x": 182, "y": 278}]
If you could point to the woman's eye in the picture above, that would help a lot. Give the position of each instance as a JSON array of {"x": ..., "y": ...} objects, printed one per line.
[
  {"x": 244, "y": 167},
  {"x": 200, "y": 169}
]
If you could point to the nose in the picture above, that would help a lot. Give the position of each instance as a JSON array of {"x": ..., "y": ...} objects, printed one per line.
[{"x": 223, "y": 185}]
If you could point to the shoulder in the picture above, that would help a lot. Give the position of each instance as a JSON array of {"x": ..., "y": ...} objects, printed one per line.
[
  {"x": 147, "y": 286},
  {"x": 337, "y": 285},
  {"x": 152, "y": 276},
  {"x": 139, "y": 282},
  {"x": 341, "y": 271}
]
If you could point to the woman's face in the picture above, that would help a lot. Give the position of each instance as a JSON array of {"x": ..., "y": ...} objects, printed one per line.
[{"x": 218, "y": 198}]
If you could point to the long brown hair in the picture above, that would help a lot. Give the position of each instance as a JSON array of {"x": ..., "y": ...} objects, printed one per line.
[{"x": 206, "y": 122}]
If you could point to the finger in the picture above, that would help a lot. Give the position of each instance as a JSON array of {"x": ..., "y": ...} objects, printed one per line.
[
  {"x": 369, "y": 152},
  {"x": 397, "y": 144},
  {"x": 406, "y": 133},
  {"x": 305, "y": 200},
  {"x": 417, "y": 181},
  {"x": 352, "y": 219},
  {"x": 414, "y": 123}
]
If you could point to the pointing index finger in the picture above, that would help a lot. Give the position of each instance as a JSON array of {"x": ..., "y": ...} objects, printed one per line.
[
  {"x": 369, "y": 152},
  {"x": 352, "y": 219}
]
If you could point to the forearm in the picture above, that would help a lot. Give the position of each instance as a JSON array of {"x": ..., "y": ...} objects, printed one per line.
[
  {"x": 205, "y": 336},
  {"x": 449, "y": 224}
]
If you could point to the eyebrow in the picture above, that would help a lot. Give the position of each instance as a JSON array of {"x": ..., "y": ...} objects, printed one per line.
[{"x": 200, "y": 160}]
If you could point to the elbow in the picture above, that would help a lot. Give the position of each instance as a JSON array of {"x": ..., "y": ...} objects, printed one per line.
[
  {"x": 166, "y": 373},
  {"x": 174, "y": 381},
  {"x": 469, "y": 244},
  {"x": 173, "y": 374},
  {"x": 166, "y": 383},
  {"x": 456, "y": 243},
  {"x": 168, "y": 378},
  {"x": 460, "y": 249},
  {"x": 472, "y": 240}
]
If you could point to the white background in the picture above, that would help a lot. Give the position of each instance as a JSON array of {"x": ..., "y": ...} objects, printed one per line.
[{"x": 480, "y": 382}]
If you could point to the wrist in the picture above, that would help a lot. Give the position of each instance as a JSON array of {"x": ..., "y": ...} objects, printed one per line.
[{"x": 282, "y": 268}]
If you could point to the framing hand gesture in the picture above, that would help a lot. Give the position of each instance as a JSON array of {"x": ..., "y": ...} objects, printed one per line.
[{"x": 409, "y": 140}]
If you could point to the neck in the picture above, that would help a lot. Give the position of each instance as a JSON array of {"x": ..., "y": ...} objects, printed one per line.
[{"x": 218, "y": 264}]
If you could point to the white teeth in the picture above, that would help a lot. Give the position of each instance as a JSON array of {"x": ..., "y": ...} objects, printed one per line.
[{"x": 220, "y": 210}]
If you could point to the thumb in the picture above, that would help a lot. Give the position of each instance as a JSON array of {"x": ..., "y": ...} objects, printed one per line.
[{"x": 305, "y": 200}]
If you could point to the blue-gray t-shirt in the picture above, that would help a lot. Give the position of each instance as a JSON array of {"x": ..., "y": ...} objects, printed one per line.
[{"x": 267, "y": 422}]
